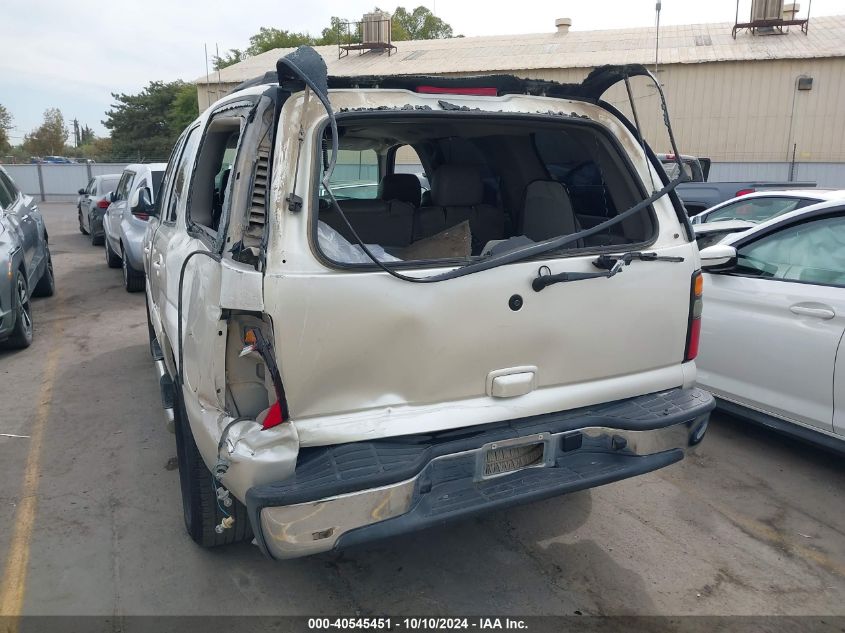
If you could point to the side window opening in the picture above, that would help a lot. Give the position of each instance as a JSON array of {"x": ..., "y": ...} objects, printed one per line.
[
  {"x": 181, "y": 176},
  {"x": 125, "y": 184},
  {"x": 212, "y": 177},
  {"x": 491, "y": 180}
]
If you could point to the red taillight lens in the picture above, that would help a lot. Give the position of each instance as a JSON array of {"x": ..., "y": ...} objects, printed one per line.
[
  {"x": 142, "y": 216},
  {"x": 274, "y": 417},
  {"x": 475, "y": 92},
  {"x": 103, "y": 204},
  {"x": 743, "y": 192},
  {"x": 694, "y": 326}
]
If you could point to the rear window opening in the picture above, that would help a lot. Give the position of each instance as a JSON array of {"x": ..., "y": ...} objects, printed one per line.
[{"x": 452, "y": 188}]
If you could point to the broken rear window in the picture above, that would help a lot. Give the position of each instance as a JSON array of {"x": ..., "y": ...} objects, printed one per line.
[{"x": 481, "y": 181}]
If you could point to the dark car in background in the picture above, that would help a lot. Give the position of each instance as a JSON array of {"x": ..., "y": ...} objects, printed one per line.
[
  {"x": 92, "y": 204},
  {"x": 25, "y": 262}
]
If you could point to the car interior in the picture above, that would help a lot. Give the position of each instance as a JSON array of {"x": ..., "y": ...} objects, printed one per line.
[{"x": 498, "y": 177}]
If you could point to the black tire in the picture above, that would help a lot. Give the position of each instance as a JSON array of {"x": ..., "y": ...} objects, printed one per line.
[
  {"x": 113, "y": 260},
  {"x": 133, "y": 280},
  {"x": 201, "y": 510},
  {"x": 82, "y": 228},
  {"x": 21, "y": 335},
  {"x": 46, "y": 286},
  {"x": 96, "y": 240}
]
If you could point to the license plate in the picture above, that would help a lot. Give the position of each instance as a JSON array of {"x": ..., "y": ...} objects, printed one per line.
[{"x": 509, "y": 456}]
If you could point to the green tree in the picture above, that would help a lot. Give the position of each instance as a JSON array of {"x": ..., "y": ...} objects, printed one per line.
[
  {"x": 419, "y": 24},
  {"x": 86, "y": 135},
  {"x": 50, "y": 137},
  {"x": 145, "y": 126},
  {"x": 98, "y": 149},
  {"x": 183, "y": 109},
  {"x": 5, "y": 126},
  {"x": 234, "y": 56}
]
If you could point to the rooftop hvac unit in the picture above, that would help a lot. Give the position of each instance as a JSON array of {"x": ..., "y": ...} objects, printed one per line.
[
  {"x": 766, "y": 10},
  {"x": 376, "y": 27}
]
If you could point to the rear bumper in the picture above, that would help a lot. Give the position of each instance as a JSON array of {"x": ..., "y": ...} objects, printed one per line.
[{"x": 354, "y": 493}]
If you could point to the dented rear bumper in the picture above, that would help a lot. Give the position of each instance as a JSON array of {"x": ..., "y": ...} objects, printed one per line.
[{"x": 353, "y": 493}]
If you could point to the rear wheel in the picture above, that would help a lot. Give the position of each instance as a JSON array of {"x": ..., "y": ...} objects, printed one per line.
[
  {"x": 201, "y": 509},
  {"x": 96, "y": 240},
  {"x": 46, "y": 286},
  {"x": 133, "y": 280},
  {"x": 113, "y": 260},
  {"x": 21, "y": 335}
]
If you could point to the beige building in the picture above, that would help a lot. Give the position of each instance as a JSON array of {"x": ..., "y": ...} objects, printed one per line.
[{"x": 738, "y": 101}]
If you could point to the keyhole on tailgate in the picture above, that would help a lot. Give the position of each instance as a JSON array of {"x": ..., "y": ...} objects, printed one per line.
[{"x": 515, "y": 302}]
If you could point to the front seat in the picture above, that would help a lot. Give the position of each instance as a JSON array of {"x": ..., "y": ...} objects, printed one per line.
[{"x": 547, "y": 211}]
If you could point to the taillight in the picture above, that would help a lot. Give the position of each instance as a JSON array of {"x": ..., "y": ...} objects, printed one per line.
[
  {"x": 743, "y": 192},
  {"x": 142, "y": 216},
  {"x": 694, "y": 326},
  {"x": 254, "y": 341},
  {"x": 103, "y": 204}
]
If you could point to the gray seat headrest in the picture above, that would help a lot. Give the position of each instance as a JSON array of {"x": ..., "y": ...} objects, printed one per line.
[
  {"x": 404, "y": 187},
  {"x": 457, "y": 186}
]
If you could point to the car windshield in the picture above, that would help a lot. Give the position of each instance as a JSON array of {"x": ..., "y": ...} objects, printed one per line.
[{"x": 757, "y": 209}]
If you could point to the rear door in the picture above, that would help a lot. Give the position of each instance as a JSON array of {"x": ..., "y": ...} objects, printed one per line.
[
  {"x": 772, "y": 328},
  {"x": 170, "y": 205},
  {"x": 394, "y": 355},
  {"x": 114, "y": 214}
]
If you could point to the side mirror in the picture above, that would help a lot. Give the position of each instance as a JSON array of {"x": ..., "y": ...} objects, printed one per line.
[
  {"x": 141, "y": 203},
  {"x": 82, "y": 192},
  {"x": 111, "y": 196},
  {"x": 718, "y": 257}
]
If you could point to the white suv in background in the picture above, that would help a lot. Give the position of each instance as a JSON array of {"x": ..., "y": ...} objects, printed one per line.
[{"x": 125, "y": 221}]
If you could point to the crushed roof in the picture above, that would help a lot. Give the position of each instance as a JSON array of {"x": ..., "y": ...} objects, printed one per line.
[{"x": 684, "y": 44}]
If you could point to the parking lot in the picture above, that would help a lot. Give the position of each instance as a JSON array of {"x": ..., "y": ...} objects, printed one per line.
[{"x": 752, "y": 524}]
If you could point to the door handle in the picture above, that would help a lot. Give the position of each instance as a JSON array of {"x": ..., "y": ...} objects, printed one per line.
[
  {"x": 146, "y": 250},
  {"x": 158, "y": 263},
  {"x": 817, "y": 310}
]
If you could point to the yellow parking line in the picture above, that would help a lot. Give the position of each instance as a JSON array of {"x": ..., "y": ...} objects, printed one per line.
[{"x": 13, "y": 587}]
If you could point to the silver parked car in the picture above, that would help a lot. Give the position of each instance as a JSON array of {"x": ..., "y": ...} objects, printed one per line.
[
  {"x": 92, "y": 204},
  {"x": 124, "y": 223},
  {"x": 24, "y": 260}
]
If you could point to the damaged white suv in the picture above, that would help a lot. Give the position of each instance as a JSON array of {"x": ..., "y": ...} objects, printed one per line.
[{"x": 347, "y": 356}]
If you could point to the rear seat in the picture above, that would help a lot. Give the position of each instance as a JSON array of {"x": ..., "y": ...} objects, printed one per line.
[
  {"x": 457, "y": 195},
  {"x": 388, "y": 221}
]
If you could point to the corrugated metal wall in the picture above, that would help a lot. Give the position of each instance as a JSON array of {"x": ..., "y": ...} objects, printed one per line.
[{"x": 741, "y": 111}]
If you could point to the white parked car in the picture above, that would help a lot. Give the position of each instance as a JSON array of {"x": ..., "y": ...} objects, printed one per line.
[
  {"x": 772, "y": 346},
  {"x": 125, "y": 221},
  {"x": 338, "y": 371},
  {"x": 760, "y": 206}
]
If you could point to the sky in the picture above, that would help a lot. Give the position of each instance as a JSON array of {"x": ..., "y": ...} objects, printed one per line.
[{"x": 73, "y": 55}]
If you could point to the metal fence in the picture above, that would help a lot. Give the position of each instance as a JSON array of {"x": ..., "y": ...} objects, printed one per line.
[{"x": 58, "y": 182}]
